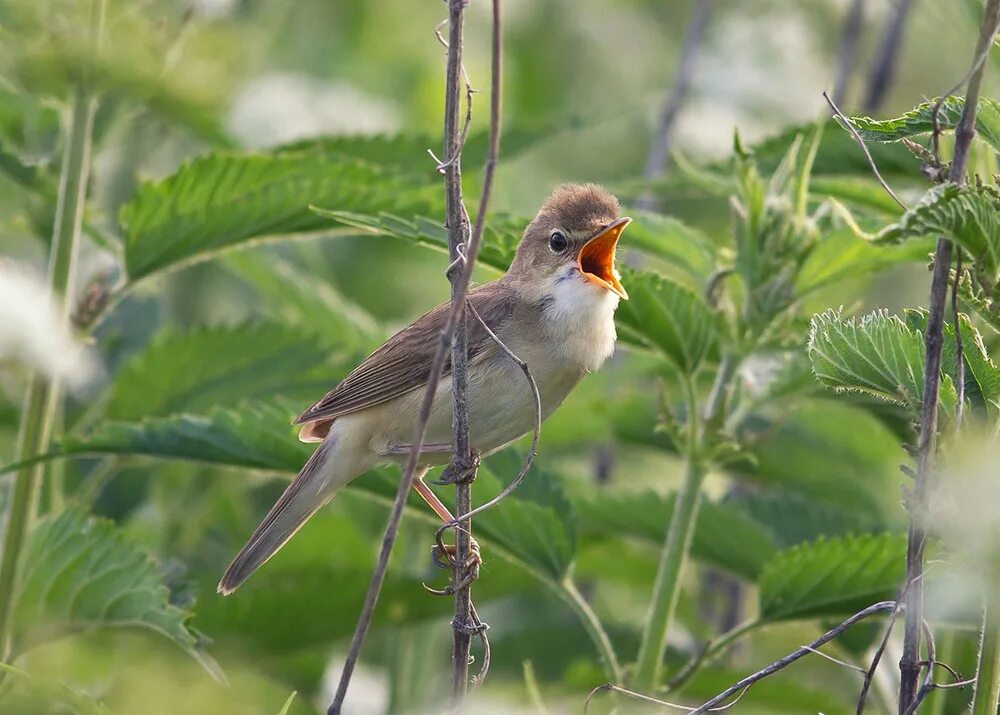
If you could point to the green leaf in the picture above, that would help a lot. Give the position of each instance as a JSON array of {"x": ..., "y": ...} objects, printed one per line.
[
  {"x": 863, "y": 193},
  {"x": 832, "y": 577},
  {"x": 533, "y": 528},
  {"x": 217, "y": 366},
  {"x": 80, "y": 573},
  {"x": 673, "y": 241},
  {"x": 225, "y": 199},
  {"x": 793, "y": 517},
  {"x": 287, "y": 707},
  {"x": 918, "y": 121},
  {"x": 293, "y": 295},
  {"x": 500, "y": 237},
  {"x": 45, "y": 696},
  {"x": 878, "y": 355},
  {"x": 663, "y": 315},
  {"x": 724, "y": 536},
  {"x": 970, "y": 215}
]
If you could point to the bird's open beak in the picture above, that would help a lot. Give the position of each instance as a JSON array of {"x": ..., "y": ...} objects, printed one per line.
[{"x": 597, "y": 257}]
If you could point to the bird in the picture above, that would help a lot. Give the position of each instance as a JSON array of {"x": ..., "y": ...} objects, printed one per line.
[{"x": 554, "y": 308}]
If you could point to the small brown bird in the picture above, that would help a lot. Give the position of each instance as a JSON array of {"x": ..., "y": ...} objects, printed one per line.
[{"x": 554, "y": 308}]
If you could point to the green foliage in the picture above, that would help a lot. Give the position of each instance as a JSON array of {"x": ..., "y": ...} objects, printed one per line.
[
  {"x": 877, "y": 355},
  {"x": 724, "y": 536},
  {"x": 920, "y": 120},
  {"x": 665, "y": 316},
  {"x": 38, "y": 695},
  {"x": 832, "y": 577},
  {"x": 80, "y": 574}
]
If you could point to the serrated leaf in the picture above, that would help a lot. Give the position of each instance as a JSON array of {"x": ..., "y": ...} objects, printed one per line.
[
  {"x": 665, "y": 316},
  {"x": 500, "y": 237},
  {"x": 80, "y": 573},
  {"x": 224, "y": 199},
  {"x": 533, "y": 528},
  {"x": 877, "y": 355},
  {"x": 673, "y": 241},
  {"x": 969, "y": 215},
  {"x": 217, "y": 366},
  {"x": 918, "y": 121},
  {"x": 793, "y": 518},
  {"x": 723, "y": 536},
  {"x": 295, "y": 296},
  {"x": 832, "y": 577}
]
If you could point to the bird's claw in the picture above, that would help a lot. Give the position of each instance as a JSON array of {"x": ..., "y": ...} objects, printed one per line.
[
  {"x": 446, "y": 559},
  {"x": 460, "y": 470}
]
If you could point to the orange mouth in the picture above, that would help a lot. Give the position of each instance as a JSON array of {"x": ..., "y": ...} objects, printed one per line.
[{"x": 597, "y": 258}]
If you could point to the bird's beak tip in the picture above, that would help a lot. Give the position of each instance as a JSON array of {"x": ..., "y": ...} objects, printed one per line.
[{"x": 597, "y": 257}]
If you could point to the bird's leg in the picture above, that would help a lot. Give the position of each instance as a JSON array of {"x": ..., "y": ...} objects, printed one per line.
[{"x": 428, "y": 495}]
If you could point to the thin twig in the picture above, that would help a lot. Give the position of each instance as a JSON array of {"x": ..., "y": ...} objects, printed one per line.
[
  {"x": 870, "y": 674},
  {"x": 931, "y": 662},
  {"x": 849, "y": 126},
  {"x": 959, "y": 348},
  {"x": 612, "y": 688},
  {"x": 848, "y": 49},
  {"x": 909, "y": 667},
  {"x": 656, "y": 162},
  {"x": 838, "y": 661},
  {"x": 880, "y": 607},
  {"x": 406, "y": 483},
  {"x": 886, "y": 57}
]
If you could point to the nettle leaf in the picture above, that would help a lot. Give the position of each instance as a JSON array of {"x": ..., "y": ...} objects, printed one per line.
[
  {"x": 537, "y": 521},
  {"x": 982, "y": 376},
  {"x": 295, "y": 296},
  {"x": 224, "y": 199},
  {"x": 831, "y": 577},
  {"x": 672, "y": 240},
  {"x": 217, "y": 366},
  {"x": 80, "y": 573},
  {"x": 969, "y": 215},
  {"x": 919, "y": 120},
  {"x": 724, "y": 536},
  {"x": 532, "y": 529},
  {"x": 500, "y": 237},
  {"x": 665, "y": 316},
  {"x": 793, "y": 518},
  {"x": 843, "y": 255},
  {"x": 877, "y": 355}
]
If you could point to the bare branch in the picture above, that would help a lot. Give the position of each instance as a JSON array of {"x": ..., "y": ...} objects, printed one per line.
[
  {"x": 656, "y": 162},
  {"x": 611, "y": 687},
  {"x": 909, "y": 667},
  {"x": 744, "y": 684},
  {"x": 459, "y": 290},
  {"x": 879, "y": 652},
  {"x": 849, "y": 126},
  {"x": 848, "y": 49},
  {"x": 886, "y": 57}
]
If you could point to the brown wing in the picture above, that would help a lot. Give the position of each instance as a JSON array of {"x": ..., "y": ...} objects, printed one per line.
[{"x": 403, "y": 363}]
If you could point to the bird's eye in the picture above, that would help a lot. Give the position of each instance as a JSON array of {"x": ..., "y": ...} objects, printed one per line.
[{"x": 558, "y": 242}]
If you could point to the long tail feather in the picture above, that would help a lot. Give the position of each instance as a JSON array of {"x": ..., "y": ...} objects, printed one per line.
[{"x": 303, "y": 498}]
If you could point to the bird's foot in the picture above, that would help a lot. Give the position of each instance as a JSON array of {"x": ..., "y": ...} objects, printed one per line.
[
  {"x": 467, "y": 572},
  {"x": 460, "y": 471}
]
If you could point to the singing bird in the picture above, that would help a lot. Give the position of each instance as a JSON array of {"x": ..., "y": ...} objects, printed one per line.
[{"x": 554, "y": 308}]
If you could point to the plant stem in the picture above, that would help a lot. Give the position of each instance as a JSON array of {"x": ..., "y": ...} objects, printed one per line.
[
  {"x": 670, "y": 571},
  {"x": 988, "y": 672},
  {"x": 43, "y": 395},
  {"x": 909, "y": 663},
  {"x": 887, "y": 57},
  {"x": 574, "y": 599}
]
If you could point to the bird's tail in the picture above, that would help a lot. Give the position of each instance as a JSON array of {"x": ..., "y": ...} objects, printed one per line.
[{"x": 311, "y": 489}]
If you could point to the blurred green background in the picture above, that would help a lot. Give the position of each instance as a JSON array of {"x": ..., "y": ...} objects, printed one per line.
[{"x": 585, "y": 79}]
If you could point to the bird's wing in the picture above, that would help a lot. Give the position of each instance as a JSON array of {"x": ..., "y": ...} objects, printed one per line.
[{"x": 403, "y": 363}]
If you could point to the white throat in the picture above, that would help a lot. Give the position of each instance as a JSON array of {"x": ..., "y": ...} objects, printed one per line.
[{"x": 580, "y": 318}]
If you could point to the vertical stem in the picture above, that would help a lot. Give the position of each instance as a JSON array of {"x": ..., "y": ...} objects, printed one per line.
[
  {"x": 458, "y": 232},
  {"x": 887, "y": 57},
  {"x": 848, "y": 49},
  {"x": 909, "y": 663},
  {"x": 43, "y": 395},
  {"x": 988, "y": 672},
  {"x": 666, "y": 591},
  {"x": 656, "y": 162},
  {"x": 592, "y": 624}
]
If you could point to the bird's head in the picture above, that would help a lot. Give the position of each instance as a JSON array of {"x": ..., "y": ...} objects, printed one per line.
[{"x": 573, "y": 238}]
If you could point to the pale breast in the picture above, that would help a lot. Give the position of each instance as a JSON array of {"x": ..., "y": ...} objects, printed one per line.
[{"x": 580, "y": 319}]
